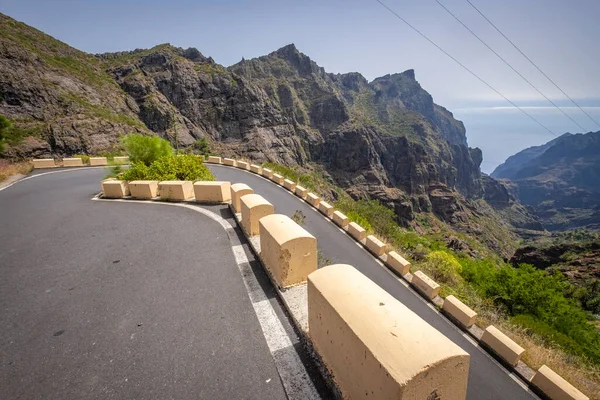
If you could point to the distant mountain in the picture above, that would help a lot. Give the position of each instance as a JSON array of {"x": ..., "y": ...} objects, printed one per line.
[{"x": 560, "y": 179}]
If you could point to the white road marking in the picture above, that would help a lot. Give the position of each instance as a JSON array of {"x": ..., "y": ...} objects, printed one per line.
[
  {"x": 416, "y": 294},
  {"x": 294, "y": 377},
  {"x": 48, "y": 173}
]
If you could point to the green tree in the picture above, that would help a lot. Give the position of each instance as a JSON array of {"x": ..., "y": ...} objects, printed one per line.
[
  {"x": 145, "y": 148},
  {"x": 201, "y": 146}
]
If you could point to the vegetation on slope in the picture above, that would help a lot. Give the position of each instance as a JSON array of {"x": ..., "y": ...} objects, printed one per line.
[{"x": 535, "y": 308}]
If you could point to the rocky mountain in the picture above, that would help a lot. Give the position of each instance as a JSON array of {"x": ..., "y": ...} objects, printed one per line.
[
  {"x": 560, "y": 180},
  {"x": 384, "y": 139}
]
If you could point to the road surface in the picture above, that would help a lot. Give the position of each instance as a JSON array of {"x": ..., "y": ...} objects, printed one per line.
[
  {"x": 114, "y": 300},
  {"x": 487, "y": 379}
]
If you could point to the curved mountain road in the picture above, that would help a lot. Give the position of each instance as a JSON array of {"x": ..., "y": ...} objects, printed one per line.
[
  {"x": 487, "y": 378},
  {"x": 113, "y": 300}
]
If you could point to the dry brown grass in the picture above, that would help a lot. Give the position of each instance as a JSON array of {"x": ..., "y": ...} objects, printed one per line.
[
  {"x": 8, "y": 168},
  {"x": 584, "y": 377}
]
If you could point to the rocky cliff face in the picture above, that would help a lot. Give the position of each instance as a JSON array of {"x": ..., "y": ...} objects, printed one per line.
[
  {"x": 384, "y": 139},
  {"x": 560, "y": 180}
]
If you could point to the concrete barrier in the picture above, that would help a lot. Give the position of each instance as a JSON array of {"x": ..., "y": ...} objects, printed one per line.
[
  {"x": 301, "y": 192},
  {"x": 121, "y": 160},
  {"x": 376, "y": 245},
  {"x": 254, "y": 207},
  {"x": 313, "y": 200},
  {"x": 230, "y": 162},
  {"x": 502, "y": 345},
  {"x": 288, "y": 251},
  {"x": 257, "y": 169},
  {"x": 243, "y": 165},
  {"x": 98, "y": 161},
  {"x": 425, "y": 284},
  {"x": 289, "y": 185},
  {"x": 554, "y": 386},
  {"x": 326, "y": 209},
  {"x": 366, "y": 339},
  {"x": 357, "y": 231},
  {"x": 238, "y": 190},
  {"x": 214, "y": 160},
  {"x": 459, "y": 311},
  {"x": 340, "y": 219},
  {"x": 114, "y": 189},
  {"x": 267, "y": 173},
  {"x": 278, "y": 179},
  {"x": 44, "y": 163},
  {"x": 212, "y": 191},
  {"x": 143, "y": 189},
  {"x": 176, "y": 190},
  {"x": 72, "y": 162},
  {"x": 396, "y": 262}
]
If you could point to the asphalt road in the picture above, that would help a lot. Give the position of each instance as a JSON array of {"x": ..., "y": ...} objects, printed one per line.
[
  {"x": 487, "y": 379},
  {"x": 114, "y": 300}
]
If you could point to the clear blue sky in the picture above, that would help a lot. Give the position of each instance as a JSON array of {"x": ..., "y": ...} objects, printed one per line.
[{"x": 360, "y": 35}]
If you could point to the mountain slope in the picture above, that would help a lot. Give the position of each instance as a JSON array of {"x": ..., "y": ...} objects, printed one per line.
[
  {"x": 384, "y": 139},
  {"x": 60, "y": 97},
  {"x": 560, "y": 179}
]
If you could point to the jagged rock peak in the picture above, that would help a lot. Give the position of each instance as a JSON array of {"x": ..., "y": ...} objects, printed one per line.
[{"x": 191, "y": 53}]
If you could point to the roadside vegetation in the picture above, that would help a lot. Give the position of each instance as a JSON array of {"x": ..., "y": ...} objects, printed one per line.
[
  {"x": 540, "y": 311},
  {"x": 153, "y": 158}
]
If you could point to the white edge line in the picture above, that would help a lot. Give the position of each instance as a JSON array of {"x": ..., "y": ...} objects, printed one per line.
[
  {"x": 292, "y": 372},
  {"x": 408, "y": 286},
  {"x": 51, "y": 172}
]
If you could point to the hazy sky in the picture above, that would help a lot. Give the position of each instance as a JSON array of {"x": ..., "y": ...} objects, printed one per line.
[{"x": 360, "y": 35}]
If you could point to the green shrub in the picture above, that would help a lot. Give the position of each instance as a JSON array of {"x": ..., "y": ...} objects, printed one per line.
[
  {"x": 525, "y": 291},
  {"x": 186, "y": 167},
  {"x": 444, "y": 266},
  {"x": 201, "y": 146},
  {"x": 5, "y": 126},
  {"x": 85, "y": 159},
  {"x": 146, "y": 149}
]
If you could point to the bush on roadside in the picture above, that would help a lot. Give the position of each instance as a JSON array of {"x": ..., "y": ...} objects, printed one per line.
[
  {"x": 444, "y": 266},
  {"x": 146, "y": 149},
  {"x": 186, "y": 167},
  {"x": 84, "y": 158}
]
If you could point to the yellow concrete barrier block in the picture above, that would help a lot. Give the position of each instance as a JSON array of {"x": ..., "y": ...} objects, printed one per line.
[
  {"x": 121, "y": 160},
  {"x": 230, "y": 162},
  {"x": 366, "y": 338},
  {"x": 254, "y": 207},
  {"x": 44, "y": 163},
  {"x": 301, "y": 192},
  {"x": 376, "y": 245},
  {"x": 398, "y": 263},
  {"x": 425, "y": 284},
  {"x": 326, "y": 209},
  {"x": 214, "y": 160},
  {"x": 72, "y": 162},
  {"x": 288, "y": 251},
  {"x": 143, "y": 189},
  {"x": 98, "y": 161},
  {"x": 257, "y": 169},
  {"x": 289, "y": 185},
  {"x": 554, "y": 386},
  {"x": 313, "y": 200},
  {"x": 340, "y": 219},
  {"x": 267, "y": 173},
  {"x": 237, "y": 191},
  {"x": 212, "y": 191},
  {"x": 460, "y": 311},
  {"x": 176, "y": 190},
  {"x": 357, "y": 231},
  {"x": 114, "y": 189},
  {"x": 243, "y": 165},
  {"x": 278, "y": 179},
  {"x": 502, "y": 345}
]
